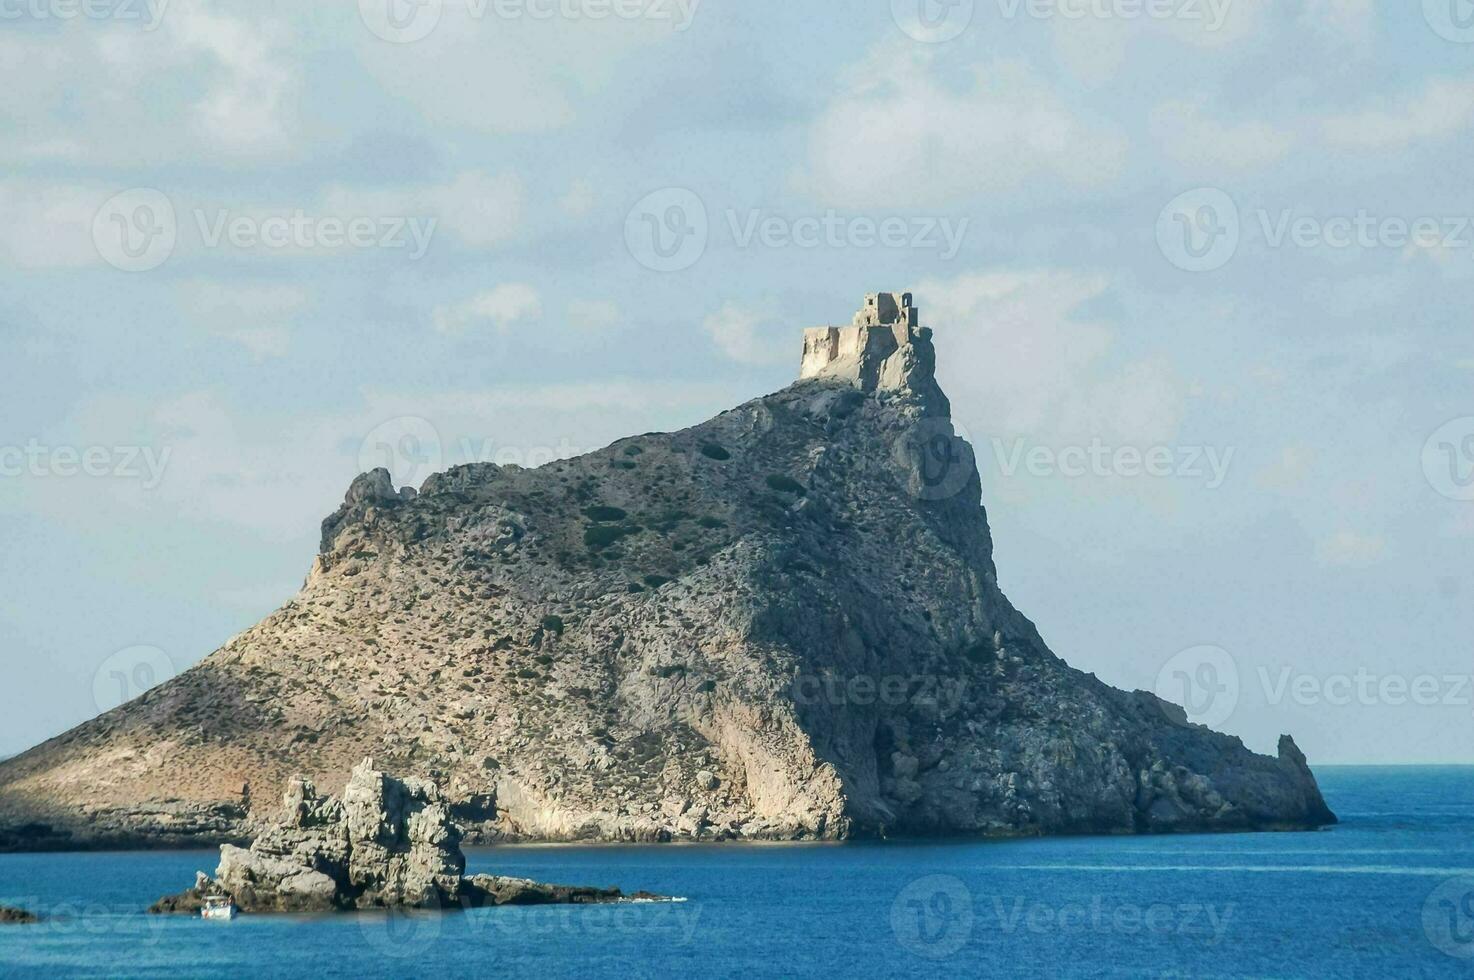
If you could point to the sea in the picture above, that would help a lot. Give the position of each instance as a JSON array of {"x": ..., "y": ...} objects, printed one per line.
[{"x": 1387, "y": 893}]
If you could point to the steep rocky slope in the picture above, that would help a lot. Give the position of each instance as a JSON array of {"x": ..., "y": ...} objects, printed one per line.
[{"x": 782, "y": 623}]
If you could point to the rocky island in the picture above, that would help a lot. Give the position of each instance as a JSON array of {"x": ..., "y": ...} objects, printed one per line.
[
  {"x": 388, "y": 843},
  {"x": 783, "y": 623}
]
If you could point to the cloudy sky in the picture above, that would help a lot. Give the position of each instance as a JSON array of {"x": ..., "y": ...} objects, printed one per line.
[{"x": 1199, "y": 272}]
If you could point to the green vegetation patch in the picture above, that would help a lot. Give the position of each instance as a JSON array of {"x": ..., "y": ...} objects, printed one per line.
[
  {"x": 605, "y": 515},
  {"x": 603, "y": 535},
  {"x": 786, "y": 484},
  {"x": 553, "y": 624},
  {"x": 713, "y": 451},
  {"x": 667, "y": 521}
]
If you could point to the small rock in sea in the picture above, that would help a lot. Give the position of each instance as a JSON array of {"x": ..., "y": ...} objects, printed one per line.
[{"x": 387, "y": 843}]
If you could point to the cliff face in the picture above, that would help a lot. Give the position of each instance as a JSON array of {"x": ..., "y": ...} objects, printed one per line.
[{"x": 782, "y": 623}]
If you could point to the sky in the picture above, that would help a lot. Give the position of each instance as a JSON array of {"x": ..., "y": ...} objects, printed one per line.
[{"x": 1199, "y": 274}]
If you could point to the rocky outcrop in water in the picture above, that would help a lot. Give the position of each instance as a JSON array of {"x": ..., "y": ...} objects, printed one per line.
[
  {"x": 783, "y": 623},
  {"x": 387, "y": 843},
  {"x": 16, "y": 917}
]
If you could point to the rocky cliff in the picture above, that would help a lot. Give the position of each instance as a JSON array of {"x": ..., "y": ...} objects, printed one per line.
[{"x": 782, "y": 623}]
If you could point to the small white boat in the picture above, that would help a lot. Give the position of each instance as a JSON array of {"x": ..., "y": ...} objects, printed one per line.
[{"x": 219, "y": 907}]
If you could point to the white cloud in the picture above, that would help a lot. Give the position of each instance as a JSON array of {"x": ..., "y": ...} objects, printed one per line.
[
  {"x": 258, "y": 316},
  {"x": 48, "y": 226},
  {"x": 1022, "y": 360},
  {"x": 510, "y": 74},
  {"x": 499, "y": 307},
  {"x": 261, "y": 342},
  {"x": 587, "y": 314},
  {"x": 205, "y": 85},
  {"x": 580, "y": 198},
  {"x": 245, "y": 107},
  {"x": 896, "y": 136},
  {"x": 1094, "y": 49},
  {"x": 1350, "y": 549},
  {"x": 480, "y": 209},
  {"x": 737, "y": 334},
  {"x": 278, "y": 474},
  {"x": 1350, "y": 22},
  {"x": 1190, "y": 136},
  {"x": 1442, "y": 109},
  {"x": 1350, "y": 296},
  {"x": 249, "y": 301},
  {"x": 199, "y": 460},
  {"x": 1290, "y": 472}
]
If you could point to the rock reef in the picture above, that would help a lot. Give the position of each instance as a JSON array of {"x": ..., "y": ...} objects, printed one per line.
[
  {"x": 783, "y": 623},
  {"x": 387, "y": 843}
]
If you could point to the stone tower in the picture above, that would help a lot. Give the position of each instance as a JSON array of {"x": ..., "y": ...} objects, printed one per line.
[
  {"x": 884, "y": 309},
  {"x": 884, "y": 348}
]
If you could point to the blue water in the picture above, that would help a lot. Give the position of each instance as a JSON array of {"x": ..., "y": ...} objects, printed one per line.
[{"x": 1388, "y": 893}]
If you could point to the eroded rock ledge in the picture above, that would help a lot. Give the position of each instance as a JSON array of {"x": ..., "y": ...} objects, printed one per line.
[{"x": 387, "y": 843}]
